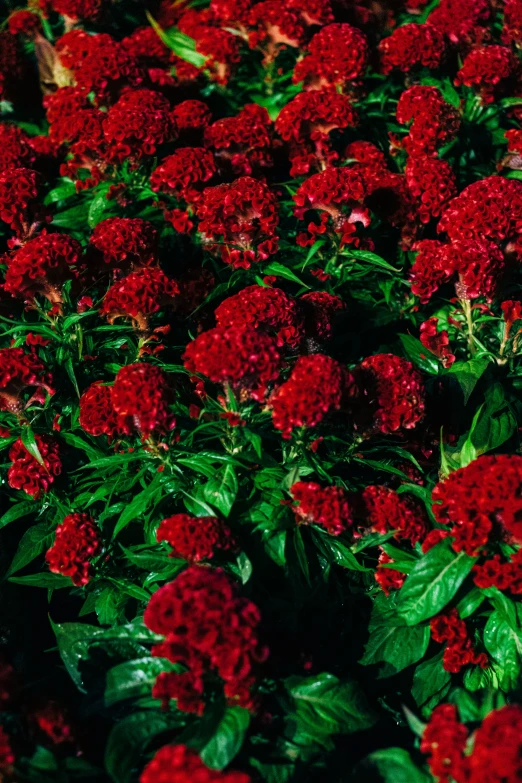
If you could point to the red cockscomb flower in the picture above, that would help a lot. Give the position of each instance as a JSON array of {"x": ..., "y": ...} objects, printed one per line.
[
  {"x": 77, "y": 541},
  {"x": 338, "y": 57},
  {"x": 18, "y": 372},
  {"x": 196, "y": 538},
  {"x": 27, "y": 473},
  {"x": 184, "y": 173},
  {"x": 329, "y": 507},
  {"x": 412, "y": 46},
  {"x": 138, "y": 296},
  {"x": 140, "y": 398},
  {"x": 385, "y": 510},
  {"x": 182, "y": 764},
  {"x": 96, "y": 414},
  {"x": 125, "y": 242}
]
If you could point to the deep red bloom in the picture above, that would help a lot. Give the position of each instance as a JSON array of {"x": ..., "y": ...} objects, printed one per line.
[
  {"x": 338, "y": 55},
  {"x": 18, "y": 192},
  {"x": 461, "y": 21},
  {"x": 77, "y": 542},
  {"x": 240, "y": 220},
  {"x": 231, "y": 12},
  {"x": 274, "y": 26},
  {"x": 184, "y": 173},
  {"x": 320, "y": 310},
  {"x": 209, "y": 627},
  {"x": 432, "y": 181},
  {"x": 388, "y": 579},
  {"x": 385, "y": 510},
  {"x": 53, "y": 721},
  {"x": 433, "y": 538},
  {"x": 497, "y": 747},
  {"x": 79, "y": 9},
  {"x": 138, "y": 123},
  {"x": 365, "y": 152},
  {"x": 412, "y": 46},
  {"x": 192, "y": 116},
  {"x": 329, "y": 507},
  {"x": 139, "y": 295},
  {"x": 140, "y": 398},
  {"x": 242, "y": 143},
  {"x": 434, "y": 122},
  {"x": 246, "y": 358},
  {"x": 444, "y": 740},
  {"x": 145, "y": 45},
  {"x": 315, "y": 388},
  {"x": 264, "y": 308},
  {"x": 125, "y": 242},
  {"x": 436, "y": 342},
  {"x": 483, "y": 498},
  {"x": 512, "y": 30},
  {"x": 313, "y": 12},
  {"x": 24, "y": 23},
  {"x": 488, "y": 68},
  {"x": 195, "y": 538},
  {"x": 459, "y": 652},
  {"x": 18, "y": 372},
  {"x": 42, "y": 265},
  {"x": 391, "y": 391},
  {"x": 96, "y": 414},
  {"x": 15, "y": 148},
  {"x": 183, "y": 765},
  {"x": 27, "y": 473},
  {"x": 185, "y": 688}
]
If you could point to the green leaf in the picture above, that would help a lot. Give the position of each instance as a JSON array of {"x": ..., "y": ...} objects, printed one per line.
[
  {"x": 430, "y": 677},
  {"x": 280, "y": 270},
  {"x": 221, "y": 491},
  {"x": 397, "y": 646},
  {"x": 504, "y": 645},
  {"x": 179, "y": 43},
  {"x": 96, "y": 210},
  {"x": 49, "y": 581},
  {"x": 371, "y": 258},
  {"x": 138, "y": 505},
  {"x": 432, "y": 583},
  {"x": 467, "y": 374},
  {"x": 17, "y": 511},
  {"x": 419, "y": 355},
  {"x": 32, "y": 544},
  {"x": 228, "y": 738},
  {"x": 132, "y": 679},
  {"x": 334, "y": 551},
  {"x": 391, "y": 765},
  {"x": 28, "y": 439},
  {"x": 129, "y": 739},
  {"x": 325, "y": 705},
  {"x": 496, "y": 422},
  {"x": 107, "y": 605}
]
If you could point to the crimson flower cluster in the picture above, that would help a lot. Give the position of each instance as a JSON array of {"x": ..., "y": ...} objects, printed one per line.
[
  {"x": 196, "y": 538},
  {"x": 329, "y": 507},
  {"x": 77, "y": 542},
  {"x": 177, "y": 762}
]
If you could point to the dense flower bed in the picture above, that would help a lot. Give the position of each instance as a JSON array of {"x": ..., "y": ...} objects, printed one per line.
[{"x": 260, "y": 378}]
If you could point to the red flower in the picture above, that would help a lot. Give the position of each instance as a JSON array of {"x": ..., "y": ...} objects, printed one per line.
[
  {"x": 96, "y": 414},
  {"x": 433, "y": 538},
  {"x": 209, "y": 627},
  {"x": 313, "y": 12},
  {"x": 241, "y": 219},
  {"x": 391, "y": 391},
  {"x": 365, "y": 152},
  {"x": 459, "y": 651},
  {"x": 195, "y": 538},
  {"x": 24, "y": 23},
  {"x": 183, "y": 765},
  {"x": 192, "y": 116},
  {"x": 79, "y": 9},
  {"x": 77, "y": 542},
  {"x": 141, "y": 398},
  {"x": 388, "y": 579},
  {"x": 145, "y": 45},
  {"x": 18, "y": 191},
  {"x": 27, "y": 473},
  {"x": 320, "y": 310},
  {"x": 461, "y": 20},
  {"x": 444, "y": 740},
  {"x": 488, "y": 68},
  {"x": 139, "y": 123},
  {"x": 436, "y": 342},
  {"x": 432, "y": 181},
  {"x": 480, "y": 499},
  {"x": 275, "y": 26},
  {"x": 385, "y": 510},
  {"x": 19, "y": 371},
  {"x": 512, "y": 30},
  {"x": 339, "y": 55},
  {"x": 138, "y": 296},
  {"x": 186, "y": 689},
  {"x": 434, "y": 122},
  {"x": 412, "y": 46},
  {"x": 497, "y": 748},
  {"x": 184, "y": 173},
  {"x": 326, "y": 506},
  {"x": 243, "y": 142},
  {"x": 53, "y": 721},
  {"x": 240, "y": 355},
  {"x": 42, "y": 265},
  {"x": 125, "y": 242},
  {"x": 306, "y": 123},
  {"x": 264, "y": 308},
  {"x": 228, "y": 12},
  {"x": 15, "y": 148},
  {"x": 315, "y": 388}
]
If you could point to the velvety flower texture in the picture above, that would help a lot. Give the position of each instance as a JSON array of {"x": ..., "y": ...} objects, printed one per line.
[
  {"x": 77, "y": 541},
  {"x": 27, "y": 473},
  {"x": 436, "y": 342},
  {"x": 139, "y": 123},
  {"x": 208, "y": 627},
  {"x": 15, "y": 148},
  {"x": 140, "y": 398},
  {"x": 179, "y": 764},
  {"x": 96, "y": 414},
  {"x": 240, "y": 220},
  {"x": 480, "y": 500},
  {"x": 461, "y": 21},
  {"x": 320, "y": 309},
  {"x": 434, "y": 122},
  {"x": 459, "y": 651},
  {"x": 497, "y": 747},
  {"x": 246, "y": 358},
  {"x": 338, "y": 55},
  {"x": 391, "y": 391},
  {"x": 315, "y": 388},
  {"x": 329, "y": 507},
  {"x": 125, "y": 242},
  {"x": 18, "y": 191},
  {"x": 42, "y": 265},
  {"x": 139, "y": 295},
  {"x": 411, "y": 46},
  {"x": 444, "y": 740},
  {"x": 184, "y": 173},
  {"x": 432, "y": 181},
  {"x": 20, "y": 371},
  {"x": 79, "y": 9},
  {"x": 387, "y": 578},
  {"x": 488, "y": 68},
  {"x": 264, "y": 308},
  {"x": 195, "y": 538},
  {"x": 242, "y": 143},
  {"x": 385, "y": 510}
]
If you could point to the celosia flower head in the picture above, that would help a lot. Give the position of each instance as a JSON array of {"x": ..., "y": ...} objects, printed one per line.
[
  {"x": 140, "y": 398},
  {"x": 77, "y": 541},
  {"x": 195, "y": 538}
]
